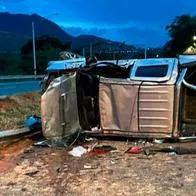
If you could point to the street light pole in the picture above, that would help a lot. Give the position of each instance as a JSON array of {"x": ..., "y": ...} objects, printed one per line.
[
  {"x": 34, "y": 51},
  {"x": 145, "y": 52},
  {"x": 34, "y": 54},
  {"x": 83, "y": 52}
]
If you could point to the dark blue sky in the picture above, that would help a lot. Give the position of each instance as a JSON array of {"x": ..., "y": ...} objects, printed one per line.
[{"x": 140, "y": 22}]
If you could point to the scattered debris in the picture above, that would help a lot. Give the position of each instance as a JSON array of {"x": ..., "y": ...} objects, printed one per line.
[
  {"x": 78, "y": 151},
  {"x": 42, "y": 143},
  {"x": 32, "y": 173},
  {"x": 94, "y": 129},
  {"x": 87, "y": 166},
  {"x": 134, "y": 150},
  {"x": 59, "y": 169},
  {"x": 167, "y": 150},
  {"x": 112, "y": 162},
  {"x": 148, "y": 152},
  {"x": 113, "y": 172},
  {"x": 97, "y": 150},
  {"x": 33, "y": 123},
  {"x": 90, "y": 139},
  {"x": 158, "y": 141},
  {"x": 172, "y": 153},
  {"x": 171, "y": 150},
  {"x": 183, "y": 150}
]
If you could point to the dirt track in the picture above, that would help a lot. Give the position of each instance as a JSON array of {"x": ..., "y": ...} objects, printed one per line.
[{"x": 27, "y": 170}]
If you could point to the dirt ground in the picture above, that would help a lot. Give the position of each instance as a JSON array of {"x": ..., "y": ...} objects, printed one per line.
[
  {"x": 15, "y": 109},
  {"x": 30, "y": 170}
]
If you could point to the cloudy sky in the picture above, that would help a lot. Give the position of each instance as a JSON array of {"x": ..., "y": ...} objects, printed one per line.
[{"x": 139, "y": 22}]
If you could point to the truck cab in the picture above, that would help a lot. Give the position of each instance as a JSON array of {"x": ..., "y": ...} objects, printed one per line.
[{"x": 140, "y": 98}]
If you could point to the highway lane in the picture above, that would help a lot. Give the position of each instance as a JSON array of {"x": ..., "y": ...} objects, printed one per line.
[{"x": 11, "y": 88}]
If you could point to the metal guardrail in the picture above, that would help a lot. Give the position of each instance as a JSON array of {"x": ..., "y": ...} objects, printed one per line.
[{"x": 18, "y": 77}]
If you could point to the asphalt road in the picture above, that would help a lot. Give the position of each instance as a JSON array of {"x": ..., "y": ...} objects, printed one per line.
[{"x": 10, "y": 88}]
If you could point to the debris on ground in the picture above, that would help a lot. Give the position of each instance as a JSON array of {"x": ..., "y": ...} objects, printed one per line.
[
  {"x": 78, "y": 151},
  {"x": 148, "y": 152},
  {"x": 101, "y": 149},
  {"x": 32, "y": 173},
  {"x": 90, "y": 139},
  {"x": 95, "y": 129},
  {"x": 33, "y": 123},
  {"x": 158, "y": 141},
  {"x": 134, "y": 150},
  {"x": 172, "y": 154},
  {"x": 52, "y": 171}
]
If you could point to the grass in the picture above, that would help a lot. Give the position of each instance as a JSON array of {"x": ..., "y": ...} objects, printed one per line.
[{"x": 14, "y": 110}]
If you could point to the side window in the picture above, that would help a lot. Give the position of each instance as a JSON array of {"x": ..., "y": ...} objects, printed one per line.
[{"x": 153, "y": 71}]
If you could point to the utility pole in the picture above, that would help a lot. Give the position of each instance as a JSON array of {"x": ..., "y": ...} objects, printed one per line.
[
  {"x": 145, "y": 52},
  {"x": 34, "y": 54},
  {"x": 114, "y": 55},
  {"x": 34, "y": 50},
  {"x": 83, "y": 52}
]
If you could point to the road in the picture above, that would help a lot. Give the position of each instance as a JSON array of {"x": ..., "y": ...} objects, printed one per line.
[{"x": 10, "y": 88}]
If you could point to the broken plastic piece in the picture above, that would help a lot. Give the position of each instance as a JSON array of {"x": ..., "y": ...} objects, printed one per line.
[
  {"x": 78, "y": 151},
  {"x": 172, "y": 153},
  {"x": 87, "y": 166},
  {"x": 94, "y": 129},
  {"x": 134, "y": 150},
  {"x": 158, "y": 141},
  {"x": 101, "y": 150},
  {"x": 33, "y": 122}
]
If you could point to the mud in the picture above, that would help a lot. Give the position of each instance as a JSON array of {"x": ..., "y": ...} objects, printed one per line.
[{"x": 52, "y": 171}]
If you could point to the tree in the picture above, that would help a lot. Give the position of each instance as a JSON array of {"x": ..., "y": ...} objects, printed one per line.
[
  {"x": 47, "y": 49},
  {"x": 3, "y": 65},
  {"x": 9, "y": 64},
  {"x": 181, "y": 32}
]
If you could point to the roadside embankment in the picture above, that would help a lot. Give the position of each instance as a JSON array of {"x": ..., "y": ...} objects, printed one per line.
[{"x": 15, "y": 109}]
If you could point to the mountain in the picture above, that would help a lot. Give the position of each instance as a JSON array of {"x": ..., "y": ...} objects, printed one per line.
[
  {"x": 85, "y": 40},
  {"x": 99, "y": 45},
  {"x": 22, "y": 24},
  {"x": 17, "y": 28}
]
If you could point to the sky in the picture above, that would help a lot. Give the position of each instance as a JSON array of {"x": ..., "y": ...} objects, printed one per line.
[{"x": 137, "y": 22}]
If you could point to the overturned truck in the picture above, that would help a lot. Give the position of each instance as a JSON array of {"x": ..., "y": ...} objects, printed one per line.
[{"x": 137, "y": 98}]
